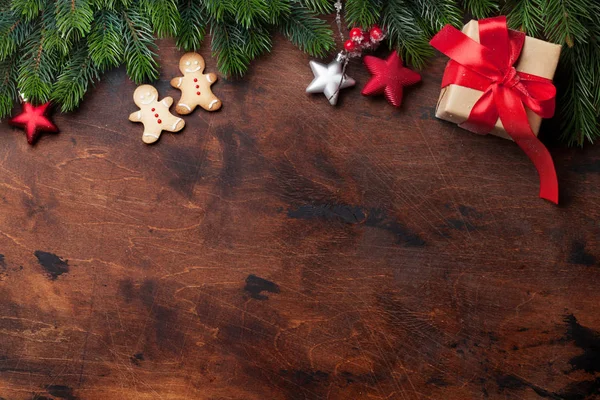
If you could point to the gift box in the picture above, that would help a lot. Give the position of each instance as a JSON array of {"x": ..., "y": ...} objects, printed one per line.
[
  {"x": 537, "y": 58},
  {"x": 499, "y": 81}
]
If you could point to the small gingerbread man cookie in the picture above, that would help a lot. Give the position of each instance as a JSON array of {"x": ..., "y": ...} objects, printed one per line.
[
  {"x": 195, "y": 86},
  {"x": 154, "y": 114}
]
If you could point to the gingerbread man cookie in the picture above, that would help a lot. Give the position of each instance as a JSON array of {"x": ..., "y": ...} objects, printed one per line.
[
  {"x": 154, "y": 114},
  {"x": 194, "y": 85}
]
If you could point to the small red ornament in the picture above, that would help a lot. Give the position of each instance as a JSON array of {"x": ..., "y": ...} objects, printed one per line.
[
  {"x": 357, "y": 34},
  {"x": 389, "y": 78},
  {"x": 33, "y": 119},
  {"x": 350, "y": 46},
  {"x": 376, "y": 33}
]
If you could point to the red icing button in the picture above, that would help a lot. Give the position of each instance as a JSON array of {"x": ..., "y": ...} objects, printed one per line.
[
  {"x": 197, "y": 86},
  {"x": 159, "y": 121},
  {"x": 195, "y": 79},
  {"x": 154, "y": 109},
  {"x": 156, "y": 115},
  {"x": 198, "y": 93}
]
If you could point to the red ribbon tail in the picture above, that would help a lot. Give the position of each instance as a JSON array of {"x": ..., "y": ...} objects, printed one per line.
[
  {"x": 542, "y": 160},
  {"x": 514, "y": 118}
]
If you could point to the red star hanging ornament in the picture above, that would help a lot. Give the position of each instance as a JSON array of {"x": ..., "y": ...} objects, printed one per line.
[
  {"x": 33, "y": 119},
  {"x": 389, "y": 78}
]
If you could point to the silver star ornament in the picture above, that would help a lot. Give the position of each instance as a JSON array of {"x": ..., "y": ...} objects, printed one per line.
[{"x": 329, "y": 80}]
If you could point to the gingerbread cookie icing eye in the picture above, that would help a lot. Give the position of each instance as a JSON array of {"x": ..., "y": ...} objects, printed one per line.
[{"x": 147, "y": 98}]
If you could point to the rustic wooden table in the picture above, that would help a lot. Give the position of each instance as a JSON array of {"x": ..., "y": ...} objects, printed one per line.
[{"x": 285, "y": 249}]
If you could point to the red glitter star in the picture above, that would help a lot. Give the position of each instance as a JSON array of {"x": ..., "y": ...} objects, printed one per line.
[
  {"x": 389, "y": 78},
  {"x": 33, "y": 119}
]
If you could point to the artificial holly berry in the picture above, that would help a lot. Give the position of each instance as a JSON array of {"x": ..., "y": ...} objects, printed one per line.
[
  {"x": 376, "y": 33},
  {"x": 389, "y": 78},
  {"x": 357, "y": 34},
  {"x": 34, "y": 120},
  {"x": 350, "y": 46}
]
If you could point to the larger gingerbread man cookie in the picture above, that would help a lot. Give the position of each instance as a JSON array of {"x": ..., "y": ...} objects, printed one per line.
[
  {"x": 194, "y": 85},
  {"x": 154, "y": 114}
]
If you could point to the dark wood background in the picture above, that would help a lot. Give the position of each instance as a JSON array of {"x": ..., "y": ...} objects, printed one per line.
[{"x": 285, "y": 249}]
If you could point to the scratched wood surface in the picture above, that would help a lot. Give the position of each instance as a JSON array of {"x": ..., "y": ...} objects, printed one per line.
[{"x": 284, "y": 249}]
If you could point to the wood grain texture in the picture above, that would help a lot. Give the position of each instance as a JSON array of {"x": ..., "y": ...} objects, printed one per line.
[{"x": 285, "y": 249}]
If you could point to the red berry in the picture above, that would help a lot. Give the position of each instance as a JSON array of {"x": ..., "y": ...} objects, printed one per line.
[
  {"x": 350, "y": 46},
  {"x": 159, "y": 121},
  {"x": 356, "y": 34},
  {"x": 376, "y": 33}
]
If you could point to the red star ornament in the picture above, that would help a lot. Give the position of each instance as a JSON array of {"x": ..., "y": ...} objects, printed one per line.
[
  {"x": 33, "y": 119},
  {"x": 389, "y": 78}
]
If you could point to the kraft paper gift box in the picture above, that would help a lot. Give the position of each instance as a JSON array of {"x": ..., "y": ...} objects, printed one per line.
[{"x": 537, "y": 58}]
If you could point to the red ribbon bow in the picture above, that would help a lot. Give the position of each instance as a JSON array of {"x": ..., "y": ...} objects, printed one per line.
[{"x": 488, "y": 67}]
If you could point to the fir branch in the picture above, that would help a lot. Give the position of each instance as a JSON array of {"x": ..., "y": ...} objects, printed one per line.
[
  {"x": 164, "y": 16},
  {"x": 318, "y": 6},
  {"x": 565, "y": 21},
  {"x": 14, "y": 30},
  {"x": 192, "y": 27},
  {"x": 578, "y": 101},
  {"x": 9, "y": 22},
  {"x": 437, "y": 13},
  {"x": 235, "y": 47},
  {"x": 363, "y": 13},
  {"x": 305, "y": 30},
  {"x": 74, "y": 17},
  {"x": 8, "y": 85},
  {"x": 525, "y": 15},
  {"x": 405, "y": 33},
  {"x": 72, "y": 83},
  {"x": 250, "y": 12},
  {"x": 53, "y": 39},
  {"x": 28, "y": 9},
  {"x": 217, "y": 10},
  {"x": 37, "y": 68},
  {"x": 113, "y": 4},
  {"x": 139, "y": 42},
  {"x": 481, "y": 8},
  {"x": 255, "y": 42},
  {"x": 226, "y": 39},
  {"x": 105, "y": 45},
  {"x": 277, "y": 9}
]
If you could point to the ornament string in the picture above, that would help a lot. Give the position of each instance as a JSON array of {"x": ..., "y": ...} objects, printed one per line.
[
  {"x": 342, "y": 56},
  {"x": 338, "y": 18}
]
